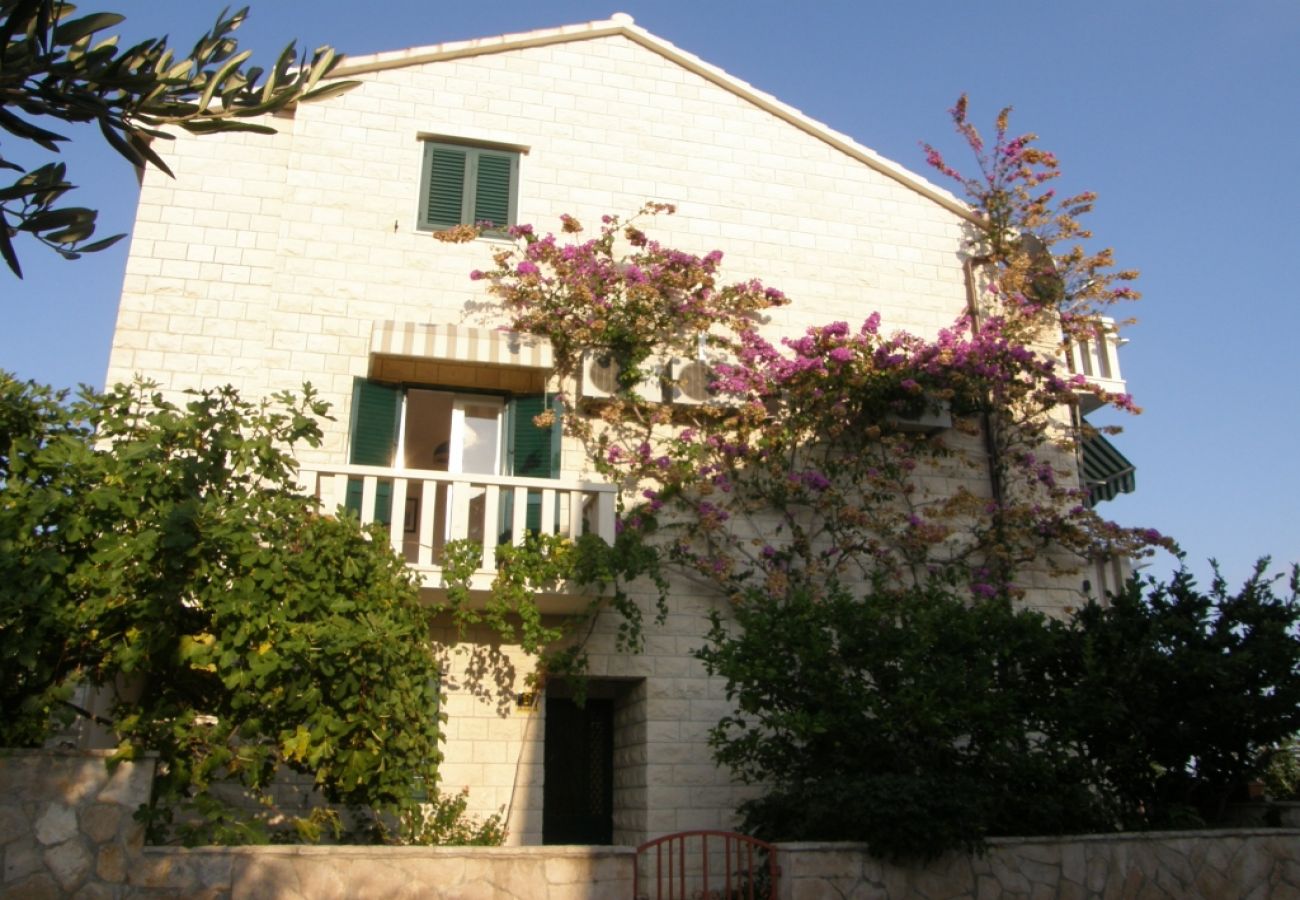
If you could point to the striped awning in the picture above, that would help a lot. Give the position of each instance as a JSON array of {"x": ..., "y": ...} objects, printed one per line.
[
  {"x": 460, "y": 343},
  {"x": 1106, "y": 472}
]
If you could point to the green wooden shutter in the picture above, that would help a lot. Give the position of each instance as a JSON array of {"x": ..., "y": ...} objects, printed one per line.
[
  {"x": 445, "y": 197},
  {"x": 492, "y": 189},
  {"x": 375, "y": 408},
  {"x": 532, "y": 452}
]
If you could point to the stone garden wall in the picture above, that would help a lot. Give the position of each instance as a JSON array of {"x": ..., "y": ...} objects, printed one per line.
[
  {"x": 66, "y": 829},
  {"x": 345, "y": 873},
  {"x": 1240, "y": 864},
  {"x": 66, "y": 822}
]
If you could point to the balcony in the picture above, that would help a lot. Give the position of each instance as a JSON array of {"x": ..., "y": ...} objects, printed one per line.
[
  {"x": 1097, "y": 359},
  {"x": 423, "y": 510}
]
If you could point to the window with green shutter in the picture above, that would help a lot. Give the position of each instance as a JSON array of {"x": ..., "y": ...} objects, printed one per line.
[
  {"x": 377, "y": 413},
  {"x": 375, "y": 410},
  {"x": 533, "y": 452},
  {"x": 462, "y": 185}
]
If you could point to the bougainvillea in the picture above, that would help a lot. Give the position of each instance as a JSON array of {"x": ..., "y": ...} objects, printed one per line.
[
  {"x": 813, "y": 460},
  {"x": 1029, "y": 241}
]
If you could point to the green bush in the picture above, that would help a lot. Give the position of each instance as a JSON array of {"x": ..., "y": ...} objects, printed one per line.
[
  {"x": 907, "y": 719},
  {"x": 164, "y": 553},
  {"x": 1176, "y": 693},
  {"x": 919, "y": 721},
  {"x": 1281, "y": 776}
]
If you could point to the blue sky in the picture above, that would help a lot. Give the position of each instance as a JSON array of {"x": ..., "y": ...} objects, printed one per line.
[{"x": 1181, "y": 115}]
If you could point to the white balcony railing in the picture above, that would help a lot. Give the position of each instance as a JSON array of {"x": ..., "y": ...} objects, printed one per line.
[
  {"x": 1096, "y": 358},
  {"x": 426, "y": 509}
]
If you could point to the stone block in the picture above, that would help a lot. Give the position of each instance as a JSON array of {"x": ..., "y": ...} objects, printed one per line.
[
  {"x": 987, "y": 888},
  {"x": 158, "y": 869},
  {"x": 261, "y": 875},
  {"x": 1038, "y": 872},
  {"x": 476, "y": 890},
  {"x": 1004, "y": 868},
  {"x": 1211, "y": 882},
  {"x": 111, "y": 863},
  {"x": 94, "y": 891},
  {"x": 1098, "y": 872},
  {"x": 38, "y": 887},
  {"x": 57, "y": 824},
  {"x": 75, "y": 778},
  {"x": 327, "y": 879},
  {"x": 566, "y": 869},
  {"x": 129, "y": 785},
  {"x": 69, "y": 863},
  {"x": 949, "y": 876},
  {"x": 21, "y": 858},
  {"x": 13, "y": 824},
  {"x": 1073, "y": 863},
  {"x": 100, "y": 821},
  {"x": 518, "y": 877}
]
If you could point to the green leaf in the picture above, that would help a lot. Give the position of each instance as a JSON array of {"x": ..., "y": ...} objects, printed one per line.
[
  {"x": 7, "y": 248},
  {"x": 214, "y": 126},
  {"x": 327, "y": 91},
  {"x": 103, "y": 244},
  {"x": 120, "y": 144},
  {"x": 49, "y": 219},
  {"x": 27, "y": 131},
  {"x": 219, "y": 77},
  {"x": 68, "y": 32}
]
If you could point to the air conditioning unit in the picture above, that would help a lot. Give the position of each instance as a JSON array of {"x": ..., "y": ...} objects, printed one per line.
[
  {"x": 600, "y": 379},
  {"x": 928, "y": 420},
  {"x": 690, "y": 381}
]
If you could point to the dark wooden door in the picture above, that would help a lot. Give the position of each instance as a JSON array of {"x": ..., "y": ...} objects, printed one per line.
[{"x": 578, "y": 793}]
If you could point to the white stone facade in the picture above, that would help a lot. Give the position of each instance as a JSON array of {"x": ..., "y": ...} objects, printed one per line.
[{"x": 269, "y": 261}]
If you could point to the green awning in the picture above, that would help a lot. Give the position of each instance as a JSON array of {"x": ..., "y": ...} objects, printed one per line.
[{"x": 1105, "y": 470}]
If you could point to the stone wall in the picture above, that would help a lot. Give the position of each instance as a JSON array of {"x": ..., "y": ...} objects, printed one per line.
[
  {"x": 66, "y": 822},
  {"x": 267, "y": 260},
  {"x": 325, "y": 873},
  {"x": 1240, "y": 863},
  {"x": 66, "y": 829}
]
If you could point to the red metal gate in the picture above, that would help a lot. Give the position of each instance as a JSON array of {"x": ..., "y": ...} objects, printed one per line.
[{"x": 705, "y": 865}]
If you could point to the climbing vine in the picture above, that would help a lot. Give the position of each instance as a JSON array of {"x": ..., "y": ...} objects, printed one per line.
[{"x": 815, "y": 457}]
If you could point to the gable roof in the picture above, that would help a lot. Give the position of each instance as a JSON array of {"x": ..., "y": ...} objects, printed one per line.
[{"x": 621, "y": 24}]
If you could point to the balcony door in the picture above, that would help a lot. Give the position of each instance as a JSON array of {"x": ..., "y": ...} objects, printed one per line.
[
  {"x": 462, "y": 434},
  {"x": 450, "y": 432},
  {"x": 445, "y": 430}
]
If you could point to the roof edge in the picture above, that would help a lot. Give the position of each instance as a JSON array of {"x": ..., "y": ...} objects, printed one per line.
[{"x": 621, "y": 24}]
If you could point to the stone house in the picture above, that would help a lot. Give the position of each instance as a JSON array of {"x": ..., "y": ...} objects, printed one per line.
[{"x": 306, "y": 256}]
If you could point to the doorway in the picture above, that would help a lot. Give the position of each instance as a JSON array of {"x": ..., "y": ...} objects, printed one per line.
[
  {"x": 578, "y": 790},
  {"x": 448, "y": 432}
]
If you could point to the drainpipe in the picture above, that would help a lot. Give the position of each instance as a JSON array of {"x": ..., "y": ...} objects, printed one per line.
[{"x": 990, "y": 445}]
